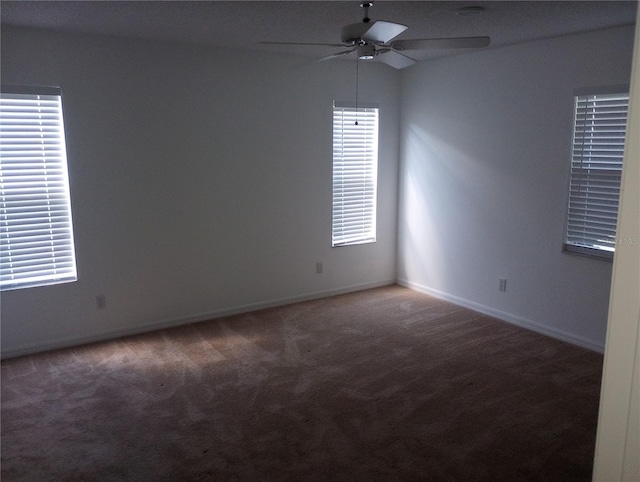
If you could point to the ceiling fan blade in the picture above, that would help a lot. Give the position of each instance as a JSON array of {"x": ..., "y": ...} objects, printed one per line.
[
  {"x": 395, "y": 59},
  {"x": 383, "y": 32},
  {"x": 302, "y": 43},
  {"x": 442, "y": 43},
  {"x": 337, "y": 54}
]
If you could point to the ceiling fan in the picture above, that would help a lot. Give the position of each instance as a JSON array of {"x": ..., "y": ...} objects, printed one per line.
[{"x": 373, "y": 40}]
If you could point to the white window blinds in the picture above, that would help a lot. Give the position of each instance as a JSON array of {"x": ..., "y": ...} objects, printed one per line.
[
  {"x": 355, "y": 170},
  {"x": 36, "y": 235},
  {"x": 596, "y": 171}
]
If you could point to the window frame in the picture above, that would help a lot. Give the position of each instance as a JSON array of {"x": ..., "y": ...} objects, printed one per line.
[
  {"x": 365, "y": 230},
  {"x": 37, "y": 243},
  {"x": 577, "y": 159}
]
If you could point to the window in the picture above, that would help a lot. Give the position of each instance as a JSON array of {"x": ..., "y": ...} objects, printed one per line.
[
  {"x": 596, "y": 172},
  {"x": 36, "y": 235},
  {"x": 355, "y": 170}
]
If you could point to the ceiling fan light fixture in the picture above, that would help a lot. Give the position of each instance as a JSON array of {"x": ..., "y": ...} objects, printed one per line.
[{"x": 366, "y": 52}]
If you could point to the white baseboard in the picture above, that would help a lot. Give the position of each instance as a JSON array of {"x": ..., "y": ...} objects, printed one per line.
[
  {"x": 169, "y": 323},
  {"x": 247, "y": 308},
  {"x": 508, "y": 317}
]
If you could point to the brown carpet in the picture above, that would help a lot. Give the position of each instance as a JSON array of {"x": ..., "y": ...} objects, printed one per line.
[{"x": 384, "y": 384}]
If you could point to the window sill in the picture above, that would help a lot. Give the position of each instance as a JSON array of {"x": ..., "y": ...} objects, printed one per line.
[{"x": 588, "y": 252}]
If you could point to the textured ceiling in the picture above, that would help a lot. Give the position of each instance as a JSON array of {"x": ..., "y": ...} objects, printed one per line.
[{"x": 243, "y": 24}]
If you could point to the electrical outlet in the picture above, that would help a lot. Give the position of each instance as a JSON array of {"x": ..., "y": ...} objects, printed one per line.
[
  {"x": 101, "y": 302},
  {"x": 502, "y": 284},
  {"x": 319, "y": 267}
]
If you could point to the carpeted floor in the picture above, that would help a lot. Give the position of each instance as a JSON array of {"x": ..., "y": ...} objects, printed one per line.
[{"x": 384, "y": 384}]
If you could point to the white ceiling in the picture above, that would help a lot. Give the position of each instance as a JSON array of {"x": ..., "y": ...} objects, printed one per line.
[{"x": 243, "y": 24}]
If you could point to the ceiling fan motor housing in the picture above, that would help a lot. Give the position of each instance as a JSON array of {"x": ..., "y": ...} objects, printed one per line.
[
  {"x": 377, "y": 32},
  {"x": 352, "y": 34}
]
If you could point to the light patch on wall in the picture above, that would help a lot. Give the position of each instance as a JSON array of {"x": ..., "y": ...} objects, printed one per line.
[
  {"x": 422, "y": 238},
  {"x": 434, "y": 173}
]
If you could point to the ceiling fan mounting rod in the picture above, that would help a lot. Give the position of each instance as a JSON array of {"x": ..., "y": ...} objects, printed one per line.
[{"x": 366, "y": 6}]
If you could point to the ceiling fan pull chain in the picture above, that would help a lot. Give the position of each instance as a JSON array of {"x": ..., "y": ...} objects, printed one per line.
[{"x": 357, "y": 65}]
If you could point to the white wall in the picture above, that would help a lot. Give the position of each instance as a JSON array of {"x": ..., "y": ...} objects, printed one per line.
[
  {"x": 200, "y": 183},
  {"x": 484, "y": 176}
]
